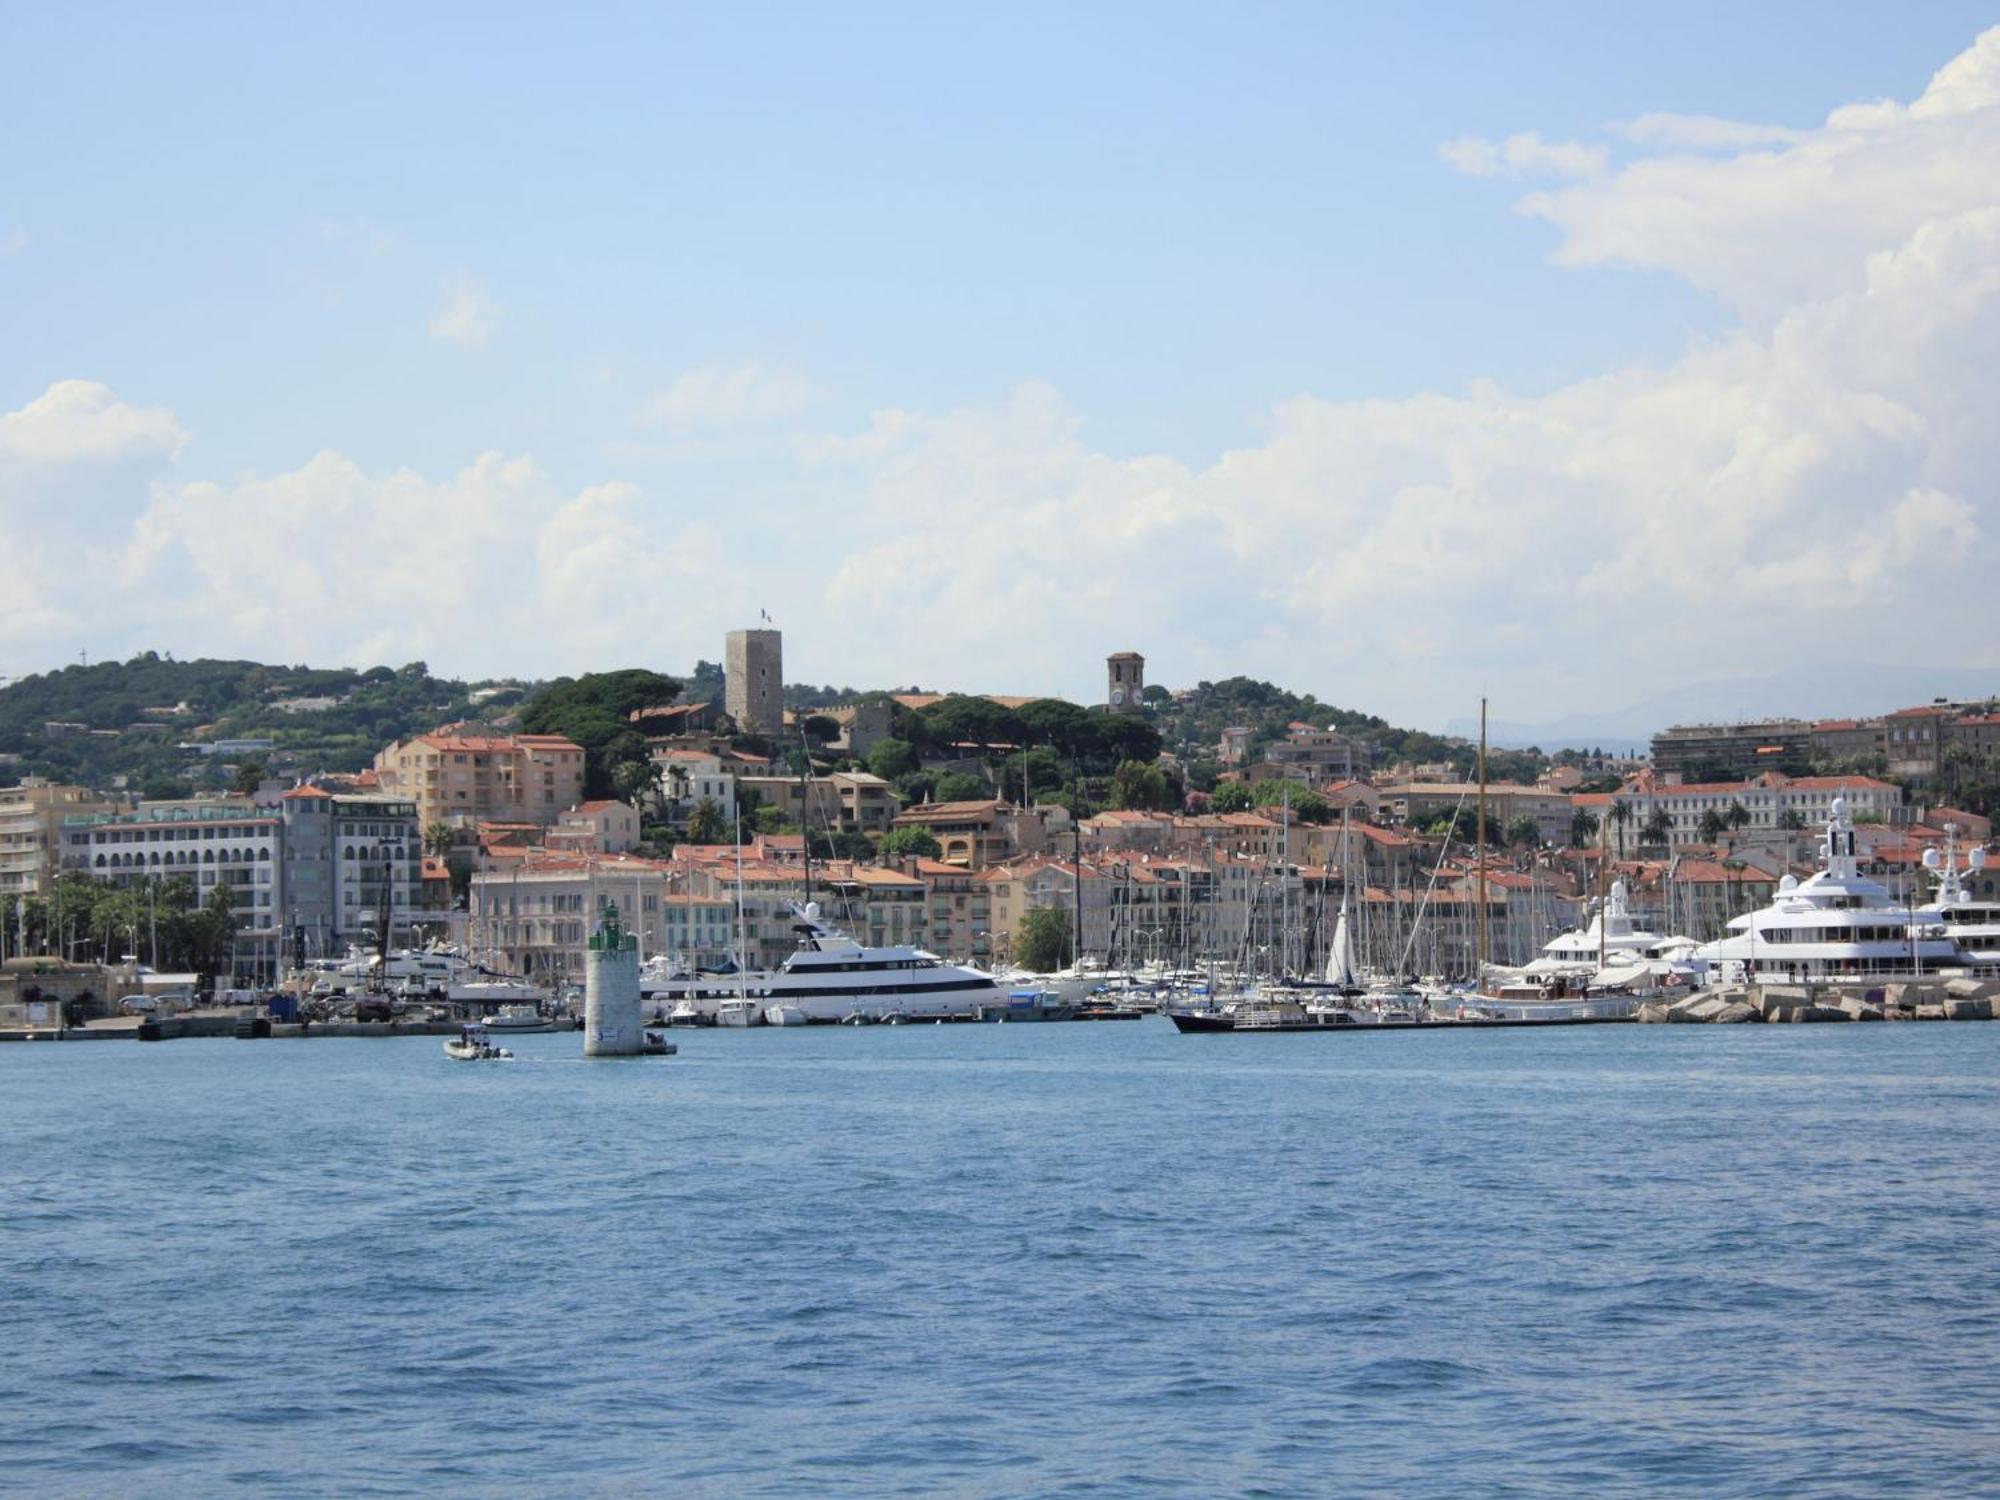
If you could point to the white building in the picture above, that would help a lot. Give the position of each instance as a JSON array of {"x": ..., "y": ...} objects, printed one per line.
[
  {"x": 536, "y": 919},
  {"x": 1767, "y": 800},
  {"x": 689, "y": 778},
  {"x": 234, "y": 845}
]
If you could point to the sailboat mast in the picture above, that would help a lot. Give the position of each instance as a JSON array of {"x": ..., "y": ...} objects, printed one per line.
[
  {"x": 1285, "y": 890},
  {"x": 1479, "y": 966}
]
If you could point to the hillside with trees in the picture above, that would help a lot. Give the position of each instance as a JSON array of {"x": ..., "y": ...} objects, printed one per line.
[
  {"x": 1191, "y": 725},
  {"x": 95, "y": 723}
]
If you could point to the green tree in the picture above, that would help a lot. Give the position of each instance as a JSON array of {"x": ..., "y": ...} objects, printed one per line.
[
  {"x": 1738, "y": 815},
  {"x": 704, "y": 824},
  {"x": 1621, "y": 816},
  {"x": 437, "y": 839},
  {"x": 637, "y": 782},
  {"x": 964, "y": 720},
  {"x": 249, "y": 776},
  {"x": 211, "y": 933},
  {"x": 1524, "y": 833},
  {"x": 1791, "y": 819},
  {"x": 960, "y": 786},
  {"x": 1308, "y": 806},
  {"x": 1040, "y": 780},
  {"x": 820, "y": 729},
  {"x": 901, "y": 842},
  {"x": 1140, "y": 786},
  {"x": 595, "y": 710},
  {"x": 1046, "y": 941},
  {"x": 1057, "y": 724},
  {"x": 1658, "y": 829},
  {"x": 1582, "y": 824},
  {"x": 916, "y": 787},
  {"x": 1712, "y": 825},
  {"x": 892, "y": 759},
  {"x": 1229, "y": 797}
]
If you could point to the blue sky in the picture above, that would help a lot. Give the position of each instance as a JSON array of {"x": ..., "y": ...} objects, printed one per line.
[{"x": 1165, "y": 224}]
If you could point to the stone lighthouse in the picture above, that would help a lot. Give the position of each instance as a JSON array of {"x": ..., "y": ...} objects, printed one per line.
[
  {"x": 611, "y": 1026},
  {"x": 1125, "y": 672}
]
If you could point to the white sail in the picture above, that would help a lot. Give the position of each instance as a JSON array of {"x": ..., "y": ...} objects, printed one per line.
[{"x": 1340, "y": 957}]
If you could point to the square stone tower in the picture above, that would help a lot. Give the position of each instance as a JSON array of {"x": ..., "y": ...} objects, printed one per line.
[
  {"x": 753, "y": 680},
  {"x": 1126, "y": 674}
]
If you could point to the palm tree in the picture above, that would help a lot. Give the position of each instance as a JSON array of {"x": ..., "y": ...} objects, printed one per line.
[
  {"x": 1621, "y": 814},
  {"x": 635, "y": 782},
  {"x": 1582, "y": 824},
  {"x": 1738, "y": 815},
  {"x": 1657, "y": 829},
  {"x": 437, "y": 839}
]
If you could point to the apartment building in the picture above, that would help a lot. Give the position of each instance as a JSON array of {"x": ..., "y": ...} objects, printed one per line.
[
  {"x": 463, "y": 774},
  {"x": 234, "y": 845},
  {"x": 1506, "y": 804},
  {"x": 1323, "y": 755},
  {"x": 1770, "y": 801},
  {"x": 31, "y": 821},
  {"x": 347, "y": 862},
  {"x": 690, "y": 777},
  {"x": 535, "y": 919},
  {"x": 976, "y": 834},
  {"x": 1741, "y": 749}
]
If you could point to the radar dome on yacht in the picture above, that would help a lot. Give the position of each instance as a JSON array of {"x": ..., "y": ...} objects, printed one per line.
[
  {"x": 1839, "y": 808},
  {"x": 812, "y": 911},
  {"x": 1789, "y": 884},
  {"x": 1932, "y": 859}
]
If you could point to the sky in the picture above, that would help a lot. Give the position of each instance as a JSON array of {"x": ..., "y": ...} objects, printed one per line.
[{"x": 1564, "y": 354}]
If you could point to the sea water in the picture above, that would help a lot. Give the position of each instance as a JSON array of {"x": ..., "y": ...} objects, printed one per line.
[{"x": 1007, "y": 1260}]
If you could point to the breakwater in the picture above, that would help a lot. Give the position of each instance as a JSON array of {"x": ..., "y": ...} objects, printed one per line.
[{"x": 1952, "y": 1000}]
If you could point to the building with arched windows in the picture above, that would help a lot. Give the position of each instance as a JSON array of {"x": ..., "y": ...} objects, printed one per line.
[{"x": 306, "y": 878}]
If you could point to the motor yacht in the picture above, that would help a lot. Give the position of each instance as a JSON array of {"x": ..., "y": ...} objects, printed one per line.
[
  {"x": 1973, "y": 923},
  {"x": 1836, "y": 925},
  {"x": 518, "y": 1019}
]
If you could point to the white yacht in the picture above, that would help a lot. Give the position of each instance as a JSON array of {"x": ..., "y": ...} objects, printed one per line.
[
  {"x": 1835, "y": 925},
  {"x": 496, "y": 992},
  {"x": 830, "y": 977},
  {"x": 1975, "y": 924},
  {"x": 1613, "y": 938},
  {"x": 517, "y": 1018}
]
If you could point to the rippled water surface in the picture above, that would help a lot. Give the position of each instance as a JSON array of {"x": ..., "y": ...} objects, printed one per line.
[{"x": 1007, "y": 1260}]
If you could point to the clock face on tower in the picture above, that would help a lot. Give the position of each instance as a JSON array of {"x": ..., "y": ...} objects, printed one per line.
[{"x": 1118, "y": 695}]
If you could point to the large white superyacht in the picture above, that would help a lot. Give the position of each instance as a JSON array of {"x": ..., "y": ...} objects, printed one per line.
[
  {"x": 1974, "y": 923},
  {"x": 1837, "y": 924},
  {"x": 830, "y": 977}
]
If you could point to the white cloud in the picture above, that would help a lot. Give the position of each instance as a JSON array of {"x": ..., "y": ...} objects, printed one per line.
[
  {"x": 1523, "y": 155},
  {"x": 1703, "y": 133},
  {"x": 1803, "y": 488},
  {"x": 469, "y": 317},
  {"x": 77, "y": 421},
  {"x": 1785, "y": 494},
  {"x": 747, "y": 393},
  {"x": 1776, "y": 220}
]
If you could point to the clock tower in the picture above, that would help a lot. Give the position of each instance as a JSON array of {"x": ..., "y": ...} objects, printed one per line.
[{"x": 1125, "y": 673}]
